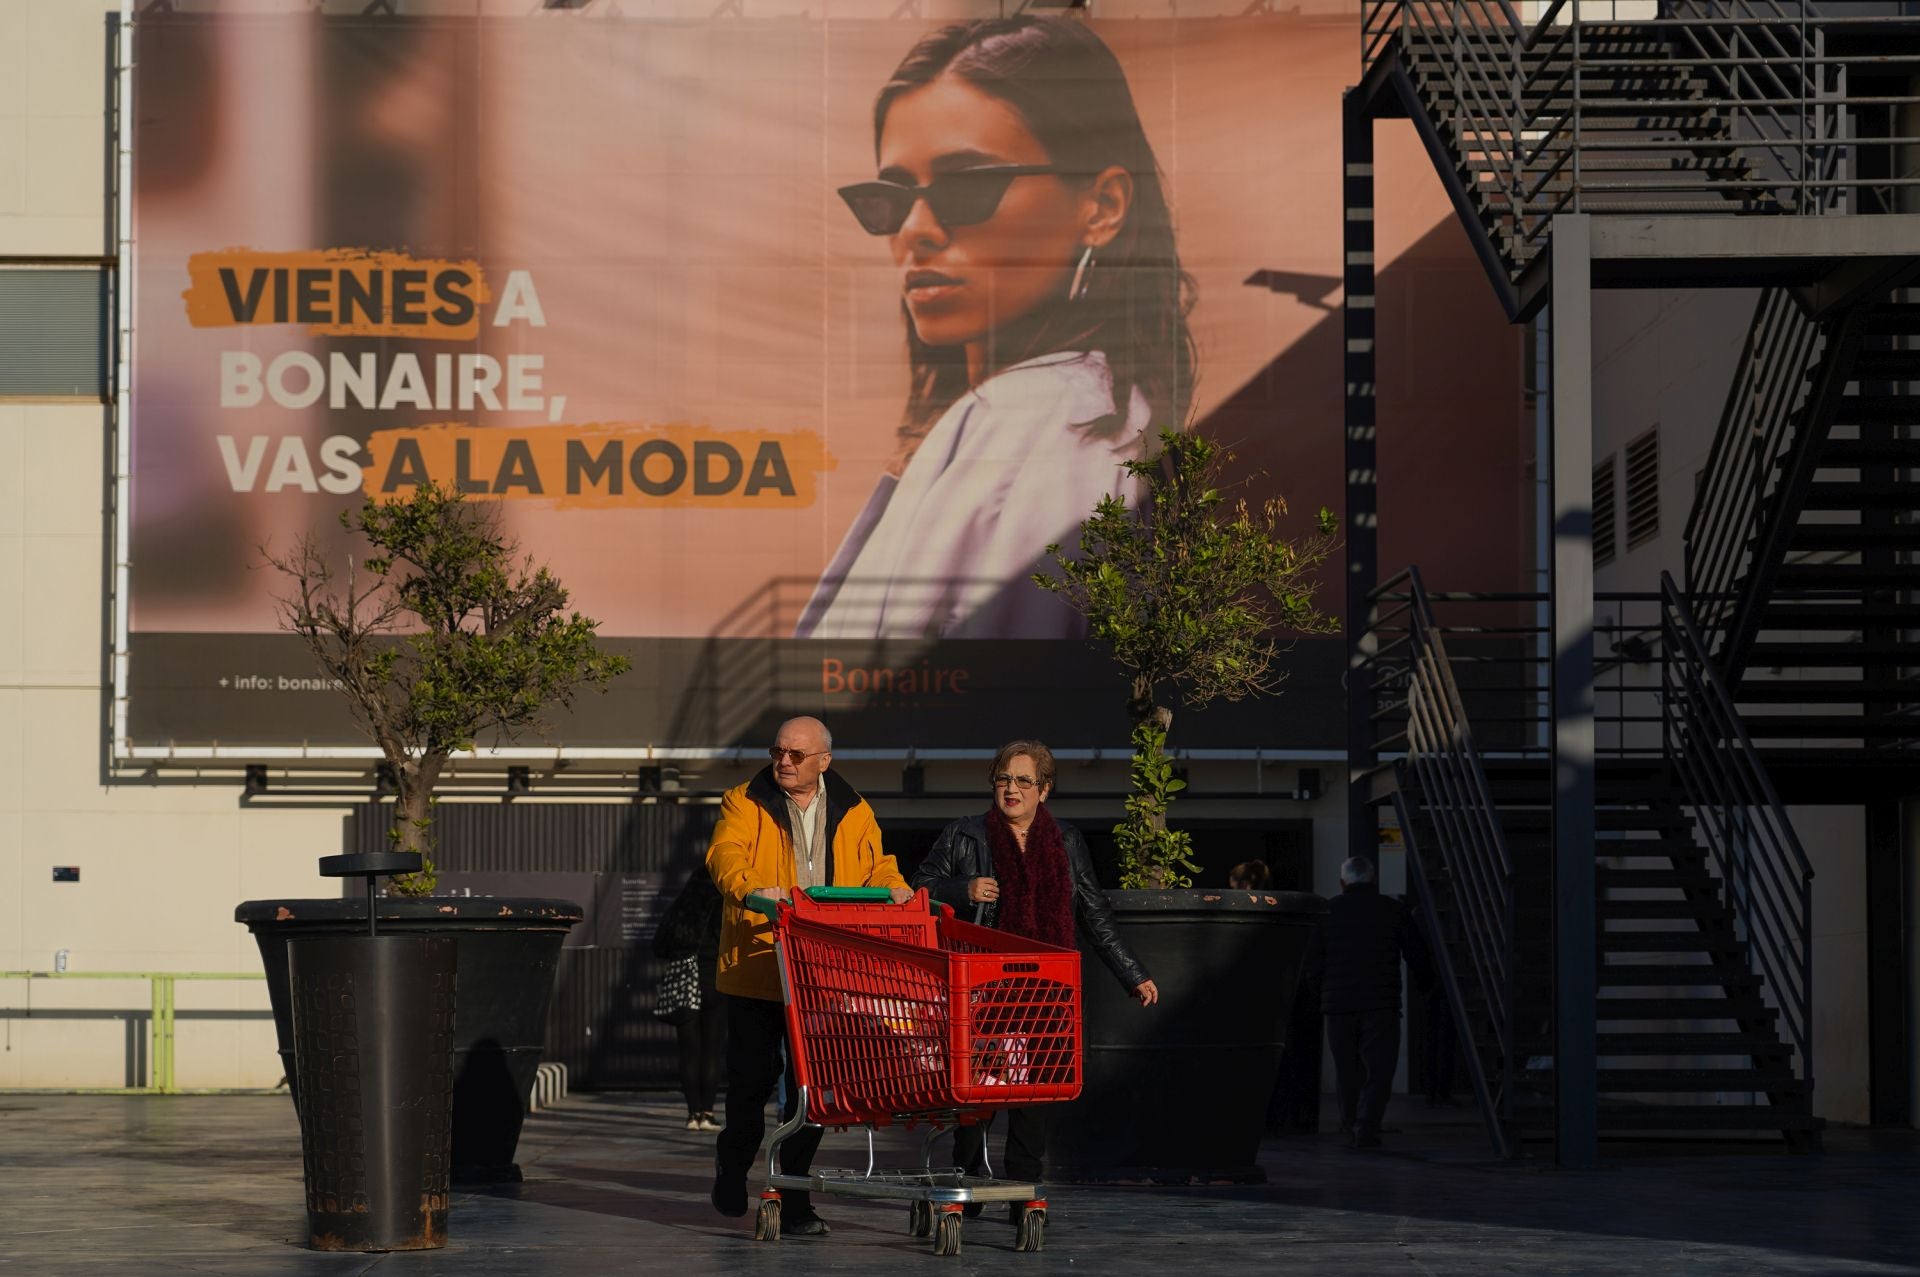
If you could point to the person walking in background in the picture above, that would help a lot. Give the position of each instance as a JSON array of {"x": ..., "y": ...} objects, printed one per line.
[
  {"x": 689, "y": 933},
  {"x": 1018, "y": 869},
  {"x": 795, "y": 824},
  {"x": 1354, "y": 959}
]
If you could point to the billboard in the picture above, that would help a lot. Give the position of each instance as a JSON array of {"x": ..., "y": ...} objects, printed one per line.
[{"x": 789, "y": 343}]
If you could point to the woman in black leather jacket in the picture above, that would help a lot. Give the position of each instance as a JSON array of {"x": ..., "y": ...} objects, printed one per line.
[{"x": 1020, "y": 870}]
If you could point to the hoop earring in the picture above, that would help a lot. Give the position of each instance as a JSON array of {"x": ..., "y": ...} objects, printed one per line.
[{"x": 1078, "y": 288}]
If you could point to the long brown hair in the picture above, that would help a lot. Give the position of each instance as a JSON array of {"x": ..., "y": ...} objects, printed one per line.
[{"x": 1072, "y": 94}]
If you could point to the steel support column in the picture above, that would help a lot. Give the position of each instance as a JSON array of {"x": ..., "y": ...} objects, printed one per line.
[
  {"x": 1575, "y": 956},
  {"x": 1362, "y": 496}
]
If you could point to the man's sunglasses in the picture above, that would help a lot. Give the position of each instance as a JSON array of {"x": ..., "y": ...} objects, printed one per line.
[
  {"x": 794, "y": 756},
  {"x": 964, "y": 197}
]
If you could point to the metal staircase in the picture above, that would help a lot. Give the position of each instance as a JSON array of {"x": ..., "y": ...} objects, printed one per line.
[
  {"x": 1721, "y": 143},
  {"x": 1703, "y": 892},
  {"x": 1722, "y": 106},
  {"x": 1806, "y": 535}
]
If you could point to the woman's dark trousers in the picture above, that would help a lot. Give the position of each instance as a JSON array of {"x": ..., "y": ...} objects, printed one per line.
[
  {"x": 703, "y": 1044},
  {"x": 1026, "y": 1145}
]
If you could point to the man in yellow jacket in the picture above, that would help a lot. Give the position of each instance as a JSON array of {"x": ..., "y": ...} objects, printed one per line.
[{"x": 795, "y": 824}]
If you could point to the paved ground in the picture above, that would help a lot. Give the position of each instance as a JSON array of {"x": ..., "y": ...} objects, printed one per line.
[{"x": 155, "y": 1186}]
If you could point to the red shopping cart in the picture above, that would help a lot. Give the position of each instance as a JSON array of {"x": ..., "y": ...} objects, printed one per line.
[{"x": 900, "y": 1015}]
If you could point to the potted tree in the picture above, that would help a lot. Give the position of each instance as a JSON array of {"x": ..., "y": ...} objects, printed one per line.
[
  {"x": 442, "y": 637},
  {"x": 1189, "y": 592}
]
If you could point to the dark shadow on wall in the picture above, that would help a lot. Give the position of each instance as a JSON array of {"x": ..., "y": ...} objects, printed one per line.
[{"x": 1449, "y": 412}]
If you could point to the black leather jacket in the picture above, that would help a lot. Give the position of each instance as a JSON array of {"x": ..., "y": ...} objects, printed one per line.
[{"x": 962, "y": 854}]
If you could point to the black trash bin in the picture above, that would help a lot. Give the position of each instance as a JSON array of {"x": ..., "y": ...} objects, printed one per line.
[{"x": 373, "y": 1033}]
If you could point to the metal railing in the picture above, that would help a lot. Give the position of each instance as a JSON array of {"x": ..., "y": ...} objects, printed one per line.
[
  {"x": 161, "y": 1079},
  {"x": 1497, "y": 645},
  {"x": 1767, "y": 876},
  {"x": 1444, "y": 660},
  {"x": 1451, "y": 796},
  {"x": 1732, "y": 106},
  {"x": 1763, "y": 421}
]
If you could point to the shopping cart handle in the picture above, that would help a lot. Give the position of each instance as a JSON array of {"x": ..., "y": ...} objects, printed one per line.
[
  {"x": 820, "y": 895},
  {"x": 832, "y": 895}
]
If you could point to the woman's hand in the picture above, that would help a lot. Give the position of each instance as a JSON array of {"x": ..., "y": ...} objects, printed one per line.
[
  {"x": 1148, "y": 992},
  {"x": 983, "y": 890},
  {"x": 901, "y": 894}
]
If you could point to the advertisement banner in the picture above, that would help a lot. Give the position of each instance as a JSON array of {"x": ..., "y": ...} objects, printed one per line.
[{"x": 788, "y": 343}]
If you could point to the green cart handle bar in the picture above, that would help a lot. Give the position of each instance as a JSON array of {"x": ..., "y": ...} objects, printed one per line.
[{"x": 824, "y": 895}]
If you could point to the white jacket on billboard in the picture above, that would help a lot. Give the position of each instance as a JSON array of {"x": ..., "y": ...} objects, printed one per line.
[{"x": 1015, "y": 465}]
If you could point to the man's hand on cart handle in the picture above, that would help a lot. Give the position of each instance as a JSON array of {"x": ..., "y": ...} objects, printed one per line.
[
  {"x": 1148, "y": 992},
  {"x": 982, "y": 890}
]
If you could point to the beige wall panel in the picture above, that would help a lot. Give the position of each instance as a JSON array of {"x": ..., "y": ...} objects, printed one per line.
[
  {"x": 13, "y": 610},
  {"x": 1839, "y": 1028},
  {"x": 13, "y": 457},
  {"x": 63, "y": 611},
  {"x": 63, "y": 449}
]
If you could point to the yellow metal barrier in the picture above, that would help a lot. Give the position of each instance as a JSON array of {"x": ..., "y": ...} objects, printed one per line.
[{"x": 160, "y": 1077}]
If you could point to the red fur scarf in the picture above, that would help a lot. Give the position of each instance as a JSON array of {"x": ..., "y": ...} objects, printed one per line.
[{"x": 1036, "y": 885}]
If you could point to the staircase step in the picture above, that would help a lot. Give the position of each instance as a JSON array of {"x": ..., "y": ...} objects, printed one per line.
[
  {"x": 1649, "y": 879},
  {"x": 1772, "y": 1081},
  {"x": 1606, "y": 820},
  {"x": 1823, "y": 727},
  {"x": 1654, "y": 975},
  {"x": 1734, "y": 1043},
  {"x": 1838, "y": 614},
  {"x": 1748, "y": 1008},
  {"x": 1850, "y": 577},
  {"x": 1851, "y": 454},
  {"x": 1638, "y": 910},
  {"x": 1861, "y": 496},
  {"x": 1842, "y": 654},
  {"x": 1822, "y": 691},
  {"x": 1831, "y": 537},
  {"x": 1667, "y": 942},
  {"x": 1703, "y": 1117},
  {"x": 1649, "y": 849},
  {"x": 1863, "y": 409},
  {"x": 1887, "y": 365},
  {"x": 1673, "y": 975},
  {"x": 1893, "y": 319},
  {"x": 1681, "y": 163}
]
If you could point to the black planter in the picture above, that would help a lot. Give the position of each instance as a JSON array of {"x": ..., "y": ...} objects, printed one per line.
[
  {"x": 508, "y": 949},
  {"x": 1177, "y": 1093},
  {"x": 373, "y": 1033}
]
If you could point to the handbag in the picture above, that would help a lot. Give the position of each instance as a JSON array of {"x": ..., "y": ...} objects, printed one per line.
[{"x": 678, "y": 996}]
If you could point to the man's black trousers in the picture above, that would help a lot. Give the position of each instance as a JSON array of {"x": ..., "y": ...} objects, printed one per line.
[
  {"x": 1366, "y": 1048},
  {"x": 756, "y": 1036}
]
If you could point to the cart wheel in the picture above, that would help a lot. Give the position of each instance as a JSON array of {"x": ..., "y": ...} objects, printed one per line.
[
  {"x": 766, "y": 1224},
  {"x": 1032, "y": 1232},
  {"x": 920, "y": 1219},
  {"x": 946, "y": 1234}
]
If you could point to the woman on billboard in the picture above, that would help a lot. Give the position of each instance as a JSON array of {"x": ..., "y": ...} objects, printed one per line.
[{"x": 1046, "y": 328}]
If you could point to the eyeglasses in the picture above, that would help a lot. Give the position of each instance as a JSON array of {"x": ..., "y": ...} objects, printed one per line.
[
  {"x": 794, "y": 756},
  {"x": 1003, "y": 780},
  {"x": 964, "y": 197}
]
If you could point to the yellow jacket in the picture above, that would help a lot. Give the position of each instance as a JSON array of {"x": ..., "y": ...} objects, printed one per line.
[{"x": 752, "y": 847}]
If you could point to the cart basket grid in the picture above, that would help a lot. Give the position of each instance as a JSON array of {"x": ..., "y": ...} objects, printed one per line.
[{"x": 966, "y": 1018}]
